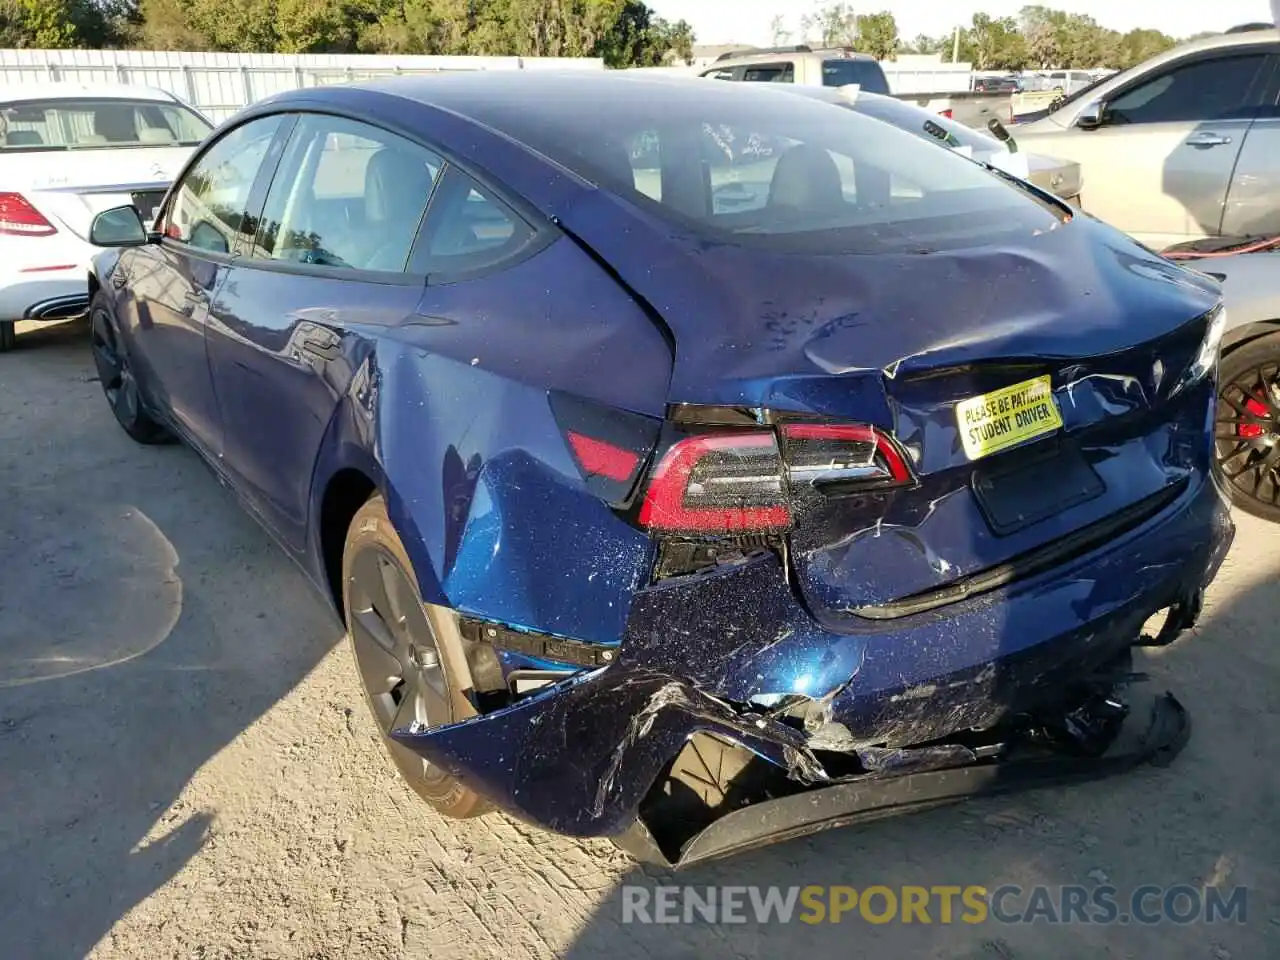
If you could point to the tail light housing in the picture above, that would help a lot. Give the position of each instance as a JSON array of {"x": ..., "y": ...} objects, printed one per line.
[
  {"x": 744, "y": 481},
  {"x": 19, "y": 218},
  {"x": 948, "y": 113},
  {"x": 718, "y": 483}
]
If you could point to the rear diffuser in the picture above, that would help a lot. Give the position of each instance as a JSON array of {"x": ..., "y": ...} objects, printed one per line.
[{"x": 875, "y": 796}]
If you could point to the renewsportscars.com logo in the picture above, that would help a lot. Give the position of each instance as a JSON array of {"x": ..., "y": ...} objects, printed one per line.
[{"x": 974, "y": 904}]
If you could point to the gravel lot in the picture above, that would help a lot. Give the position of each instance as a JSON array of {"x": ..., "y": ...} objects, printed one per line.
[{"x": 186, "y": 768}]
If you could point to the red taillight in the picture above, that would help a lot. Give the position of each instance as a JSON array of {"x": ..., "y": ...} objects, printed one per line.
[
  {"x": 602, "y": 459},
  {"x": 741, "y": 482},
  {"x": 948, "y": 113},
  {"x": 19, "y": 218},
  {"x": 718, "y": 483}
]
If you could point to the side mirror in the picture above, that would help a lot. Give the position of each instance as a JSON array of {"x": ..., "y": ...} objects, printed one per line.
[
  {"x": 1090, "y": 118},
  {"x": 118, "y": 227}
]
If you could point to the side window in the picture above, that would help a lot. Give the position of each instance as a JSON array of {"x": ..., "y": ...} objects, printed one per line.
[
  {"x": 346, "y": 195},
  {"x": 208, "y": 208},
  {"x": 770, "y": 73},
  {"x": 467, "y": 228},
  {"x": 1205, "y": 90},
  {"x": 723, "y": 73}
]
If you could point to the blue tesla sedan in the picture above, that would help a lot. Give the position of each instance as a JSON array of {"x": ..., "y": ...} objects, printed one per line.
[{"x": 692, "y": 464}]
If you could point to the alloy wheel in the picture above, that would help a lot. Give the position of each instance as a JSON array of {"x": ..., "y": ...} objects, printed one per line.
[
  {"x": 1248, "y": 433},
  {"x": 116, "y": 377},
  {"x": 395, "y": 648}
]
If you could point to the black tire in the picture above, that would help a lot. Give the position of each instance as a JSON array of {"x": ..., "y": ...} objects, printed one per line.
[
  {"x": 8, "y": 335},
  {"x": 1247, "y": 435},
  {"x": 409, "y": 664},
  {"x": 116, "y": 376}
]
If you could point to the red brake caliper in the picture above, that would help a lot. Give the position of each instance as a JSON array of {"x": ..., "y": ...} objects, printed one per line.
[{"x": 1251, "y": 431}]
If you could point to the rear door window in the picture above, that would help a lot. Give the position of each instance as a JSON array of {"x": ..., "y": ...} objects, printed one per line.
[
  {"x": 347, "y": 195},
  {"x": 1214, "y": 89}
]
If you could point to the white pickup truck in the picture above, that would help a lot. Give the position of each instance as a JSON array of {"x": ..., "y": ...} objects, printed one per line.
[{"x": 840, "y": 67}]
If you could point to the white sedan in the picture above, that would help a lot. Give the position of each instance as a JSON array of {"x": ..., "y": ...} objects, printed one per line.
[{"x": 67, "y": 152}]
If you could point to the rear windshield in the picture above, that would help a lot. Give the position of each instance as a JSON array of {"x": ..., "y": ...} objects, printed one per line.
[
  {"x": 94, "y": 124},
  {"x": 762, "y": 167},
  {"x": 866, "y": 73}
]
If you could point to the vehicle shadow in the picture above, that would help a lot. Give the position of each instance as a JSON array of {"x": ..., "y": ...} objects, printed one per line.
[
  {"x": 144, "y": 623},
  {"x": 1205, "y": 820}
]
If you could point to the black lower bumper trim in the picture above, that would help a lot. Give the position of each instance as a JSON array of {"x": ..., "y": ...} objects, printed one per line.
[{"x": 873, "y": 797}]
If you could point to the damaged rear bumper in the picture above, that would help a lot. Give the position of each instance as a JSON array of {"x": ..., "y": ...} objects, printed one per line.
[
  {"x": 1156, "y": 735},
  {"x": 587, "y": 756}
]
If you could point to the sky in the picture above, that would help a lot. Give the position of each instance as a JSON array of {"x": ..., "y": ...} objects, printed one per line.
[{"x": 747, "y": 21}]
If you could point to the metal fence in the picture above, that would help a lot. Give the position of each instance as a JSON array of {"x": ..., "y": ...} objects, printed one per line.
[{"x": 220, "y": 84}]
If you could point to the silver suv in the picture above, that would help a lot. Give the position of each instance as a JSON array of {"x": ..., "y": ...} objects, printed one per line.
[{"x": 803, "y": 65}]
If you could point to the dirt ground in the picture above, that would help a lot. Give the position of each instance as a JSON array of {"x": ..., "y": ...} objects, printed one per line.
[{"x": 186, "y": 768}]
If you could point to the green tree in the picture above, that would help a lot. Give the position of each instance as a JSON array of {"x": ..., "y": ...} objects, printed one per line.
[
  {"x": 1040, "y": 28},
  {"x": 779, "y": 32},
  {"x": 1139, "y": 45},
  {"x": 994, "y": 44},
  {"x": 52, "y": 24},
  {"x": 637, "y": 38},
  {"x": 878, "y": 35},
  {"x": 925, "y": 44},
  {"x": 835, "y": 25}
]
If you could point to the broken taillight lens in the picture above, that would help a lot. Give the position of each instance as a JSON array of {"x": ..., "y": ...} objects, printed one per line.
[
  {"x": 834, "y": 457},
  {"x": 739, "y": 481},
  {"x": 729, "y": 482}
]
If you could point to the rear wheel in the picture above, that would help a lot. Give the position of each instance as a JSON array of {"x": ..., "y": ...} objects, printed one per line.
[
  {"x": 1247, "y": 436},
  {"x": 117, "y": 377},
  {"x": 8, "y": 335},
  {"x": 410, "y": 673}
]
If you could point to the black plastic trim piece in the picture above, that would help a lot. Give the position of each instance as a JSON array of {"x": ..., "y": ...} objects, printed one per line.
[{"x": 538, "y": 645}]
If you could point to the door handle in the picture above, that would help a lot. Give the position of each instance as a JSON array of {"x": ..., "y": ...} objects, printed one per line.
[
  {"x": 1207, "y": 139},
  {"x": 319, "y": 343}
]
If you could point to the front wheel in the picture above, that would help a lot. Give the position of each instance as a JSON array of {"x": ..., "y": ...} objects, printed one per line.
[
  {"x": 1247, "y": 436},
  {"x": 117, "y": 376},
  {"x": 410, "y": 673},
  {"x": 8, "y": 335}
]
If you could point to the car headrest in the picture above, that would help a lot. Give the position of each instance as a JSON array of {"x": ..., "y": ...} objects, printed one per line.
[
  {"x": 156, "y": 135},
  {"x": 24, "y": 138},
  {"x": 396, "y": 185},
  {"x": 806, "y": 178}
]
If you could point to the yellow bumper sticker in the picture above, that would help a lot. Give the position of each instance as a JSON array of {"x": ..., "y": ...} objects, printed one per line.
[{"x": 1004, "y": 418}]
